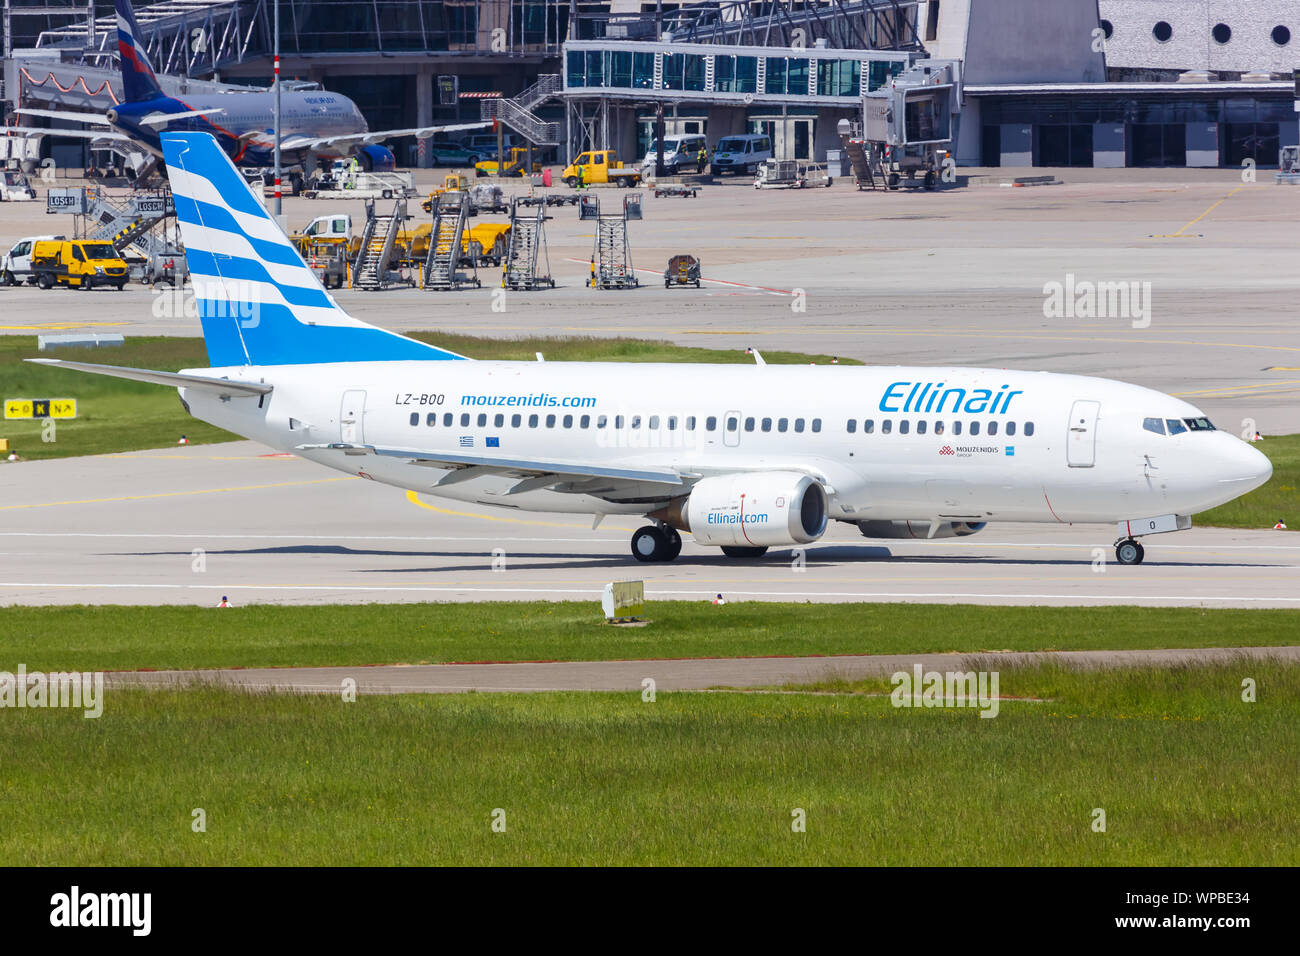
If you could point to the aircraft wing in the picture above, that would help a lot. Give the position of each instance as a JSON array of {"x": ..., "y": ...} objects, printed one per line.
[
  {"x": 534, "y": 474},
  {"x": 376, "y": 136},
  {"x": 77, "y": 133}
]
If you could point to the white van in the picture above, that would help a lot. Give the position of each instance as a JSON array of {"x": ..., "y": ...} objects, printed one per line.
[
  {"x": 681, "y": 153},
  {"x": 741, "y": 154},
  {"x": 17, "y": 264}
]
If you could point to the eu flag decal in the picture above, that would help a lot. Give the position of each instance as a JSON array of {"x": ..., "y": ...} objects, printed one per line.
[
  {"x": 493, "y": 441},
  {"x": 1011, "y": 450}
]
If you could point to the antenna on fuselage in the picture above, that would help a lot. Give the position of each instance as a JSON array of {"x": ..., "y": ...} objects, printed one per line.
[{"x": 758, "y": 359}]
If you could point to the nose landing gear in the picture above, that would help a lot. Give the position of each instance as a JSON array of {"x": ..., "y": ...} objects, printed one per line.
[
  {"x": 1129, "y": 551},
  {"x": 656, "y": 543}
]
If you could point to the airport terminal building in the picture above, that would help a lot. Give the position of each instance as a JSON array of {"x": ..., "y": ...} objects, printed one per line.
[{"x": 1066, "y": 83}]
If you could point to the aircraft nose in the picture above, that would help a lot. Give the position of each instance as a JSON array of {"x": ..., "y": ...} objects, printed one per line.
[{"x": 1250, "y": 466}]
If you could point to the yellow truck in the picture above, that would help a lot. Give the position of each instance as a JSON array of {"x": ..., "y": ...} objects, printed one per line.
[
  {"x": 78, "y": 264},
  {"x": 600, "y": 166},
  {"x": 516, "y": 164},
  {"x": 451, "y": 183}
]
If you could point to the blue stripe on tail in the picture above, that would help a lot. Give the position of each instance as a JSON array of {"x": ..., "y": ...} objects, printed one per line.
[{"x": 258, "y": 301}]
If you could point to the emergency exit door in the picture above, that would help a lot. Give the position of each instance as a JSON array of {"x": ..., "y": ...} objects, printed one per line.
[
  {"x": 1081, "y": 442},
  {"x": 351, "y": 416}
]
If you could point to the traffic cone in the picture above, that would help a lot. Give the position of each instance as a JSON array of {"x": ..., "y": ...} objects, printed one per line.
[
  {"x": 719, "y": 600},
  {"x": 1280, "y": 526}
]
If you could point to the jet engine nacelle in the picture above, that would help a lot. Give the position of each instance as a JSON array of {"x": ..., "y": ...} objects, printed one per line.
[
  {"x": 377, "y": 159},
  {"x": 752, "y": 509},
  {"x": 918, "y": 529}
]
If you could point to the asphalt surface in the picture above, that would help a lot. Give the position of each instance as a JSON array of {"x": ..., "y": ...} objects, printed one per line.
[
  {"x": 190, "y": 524},
  {"x": 667, "y": 675}
]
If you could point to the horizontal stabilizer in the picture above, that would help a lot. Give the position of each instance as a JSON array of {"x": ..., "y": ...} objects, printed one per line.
[{"x": 219, "y": 386}]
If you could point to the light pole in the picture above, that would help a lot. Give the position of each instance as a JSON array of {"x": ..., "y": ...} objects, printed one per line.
[{"x": 279, "y": 211}]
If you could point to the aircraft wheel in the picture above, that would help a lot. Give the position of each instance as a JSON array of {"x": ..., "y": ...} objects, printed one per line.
[
  {"x": 737, "y": 551},
  {"x": 649, "y": 544},
  {"x": 673, "y": 541},
  {"x": 1129, "y": 551}
]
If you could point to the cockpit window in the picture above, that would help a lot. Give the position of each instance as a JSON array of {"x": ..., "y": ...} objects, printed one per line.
[
  {"x": 1154, "y": 425},
  {"x": 1199, "y": 424},
  {"x": 1175, "y": 426}
]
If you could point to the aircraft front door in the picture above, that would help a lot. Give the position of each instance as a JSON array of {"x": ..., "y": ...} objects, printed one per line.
[
  {"x": 1081, "y": 443},
  {"x": 351, "y": 418}
]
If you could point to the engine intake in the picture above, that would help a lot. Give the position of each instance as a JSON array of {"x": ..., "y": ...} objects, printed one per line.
[{"x": 756, "y": 509}]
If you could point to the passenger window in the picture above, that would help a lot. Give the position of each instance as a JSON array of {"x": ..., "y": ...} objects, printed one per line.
[
  {"x": 550, "y": 421},
  {"x": 447, "y": 420},
  {"x": 654, "y": 422},
  {"x": 636, "y": 421},
  {"x": 568, "y": 421},
  {"x": 618, "y": 422},
  {"x": 816, "y": 424},
  {"x": 1029, "y": 429},
  {"x": 904, "y": 426},
  {"x": 938, "y": 428},
  {"x": 868, "y": 426},
  {"x": 464, "y": 420},
  {"x": 993, "y": 428},
  {"x": 584, "y": 421},
  {"x": 920, "y": 427},
  {"x": 431, "y": 419},
  {"x": 956, "y": 428},
  {"x": 733, "y": 423},
  {"x": 499, "y": 421},
  {"x": 601, "y": 421},
  {"x": 1175, "y": 426},
  {"x": 710, "y": 423},
  {"x": 749, "y": 424},
  {"x": 782, "y": 424},
  {"x": 516, "y": 420},
  {"x": 690, "y": 423},
  {"x": 532, "y": 421},
  {"x": 1011, "y": 428},
  {"x": 672, "y": 423},
  {"x": 974, "y": 428},
  {"x": 482, "y": 419},
  {"x": 887, "y": 426},
  {"x": 852, "y": 425},
  {"x": 798, "y": 424},
  {"x": 415, "y": 418}
]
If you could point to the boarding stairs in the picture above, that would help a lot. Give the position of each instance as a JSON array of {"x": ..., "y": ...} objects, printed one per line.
[
  {"x": 371, "y": 271},
  {"x": 526, "y": 251},
  {"x": 131, "y": 222},
  {"x": 442, "y": 262},
  {"x": 611, "y": 255},
  {"x": 860, "y": 157}
]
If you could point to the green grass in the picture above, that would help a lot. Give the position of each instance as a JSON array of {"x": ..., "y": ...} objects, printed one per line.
[
  {"x": 1186, "y": 773},
  {"x": 115, "y": 415},
  {"x": 125, "y": 638},
  {"x": 1279, "y": 498}
]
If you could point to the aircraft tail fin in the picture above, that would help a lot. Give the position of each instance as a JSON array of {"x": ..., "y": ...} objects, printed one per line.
[
  {"x": 138, "y": 80},
  {"x": 258, "y": 301}
]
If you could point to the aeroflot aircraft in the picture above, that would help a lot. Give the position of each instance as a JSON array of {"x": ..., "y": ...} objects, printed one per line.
[
  {"x": 313, "y": 123},
  {"x": 742, "y": 457}
]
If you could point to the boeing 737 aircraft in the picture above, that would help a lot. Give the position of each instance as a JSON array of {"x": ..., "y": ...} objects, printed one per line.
[
  {"x": 742, "y": 457},
  {"x": 314, "y": 125}
]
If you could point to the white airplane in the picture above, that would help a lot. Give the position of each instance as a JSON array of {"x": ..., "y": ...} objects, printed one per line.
[{"x": 742, "y": 457}]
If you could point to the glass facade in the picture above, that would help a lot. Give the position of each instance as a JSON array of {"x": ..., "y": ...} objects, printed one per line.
[{"x": 686, "y": 71}]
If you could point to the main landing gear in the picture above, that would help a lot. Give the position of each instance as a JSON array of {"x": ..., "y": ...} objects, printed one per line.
[
  {"x": 1129, "y": 551},
  {"x": 656, "y": 543}
]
